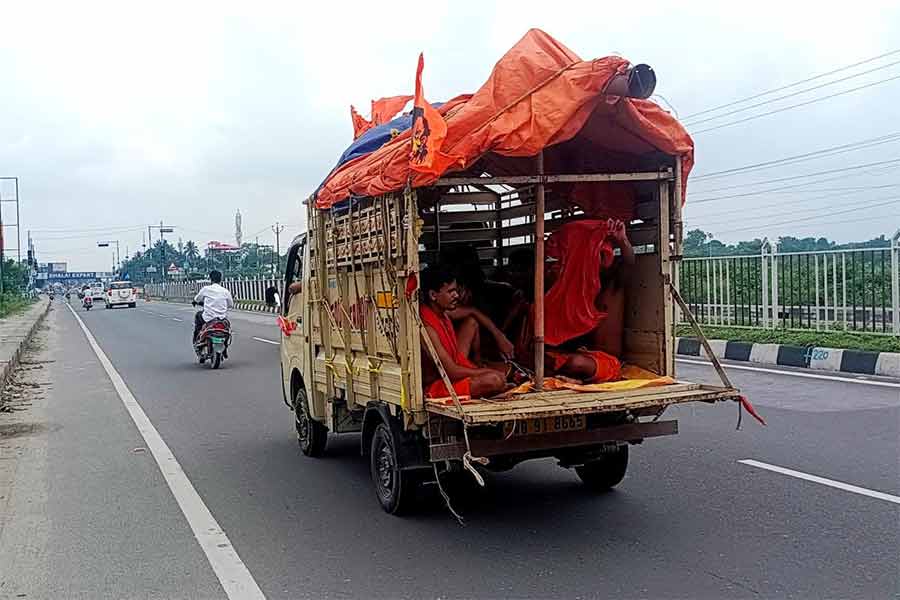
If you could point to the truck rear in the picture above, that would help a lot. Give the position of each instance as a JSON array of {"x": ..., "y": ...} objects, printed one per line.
[{"x": 353, "y": 346}]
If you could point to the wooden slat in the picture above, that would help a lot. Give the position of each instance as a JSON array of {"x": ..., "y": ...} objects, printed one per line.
[
  {"x": 469, "y": 198},
  {"x": 498, "y": 411},
  {"x": 535, "y": 179},
  {"x": 461, "y": 216}
]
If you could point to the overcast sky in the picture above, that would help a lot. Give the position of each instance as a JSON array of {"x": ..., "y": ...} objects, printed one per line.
[{"x": 114, "y": 117}]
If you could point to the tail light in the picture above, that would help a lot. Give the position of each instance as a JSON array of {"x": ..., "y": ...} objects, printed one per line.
[{"x": 219, "y": 327}]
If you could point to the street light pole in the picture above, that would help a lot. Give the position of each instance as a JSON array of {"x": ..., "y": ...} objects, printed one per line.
[
  {"x": 106, "y": 244},
  {"x": 277, "y": 228}
]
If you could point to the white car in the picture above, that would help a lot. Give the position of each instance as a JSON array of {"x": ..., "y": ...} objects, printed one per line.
[{"x": 120, "y": 293}]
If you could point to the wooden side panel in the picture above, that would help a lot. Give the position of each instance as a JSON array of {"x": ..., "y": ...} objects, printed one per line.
[
  {"x": 360, "y": 322},
  {"x": 645, "y": 306}
]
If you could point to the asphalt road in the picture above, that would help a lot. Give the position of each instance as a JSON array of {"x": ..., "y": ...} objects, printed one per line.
[{"x": 689, "y": 521}]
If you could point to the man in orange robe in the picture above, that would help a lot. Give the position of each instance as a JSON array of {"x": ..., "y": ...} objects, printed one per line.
[{"x": 440, "y": 296}]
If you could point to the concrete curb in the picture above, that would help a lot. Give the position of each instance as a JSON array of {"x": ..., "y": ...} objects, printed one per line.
[
  {"x": 15, "y": 333},
  {"x": 886, "y": 364}
]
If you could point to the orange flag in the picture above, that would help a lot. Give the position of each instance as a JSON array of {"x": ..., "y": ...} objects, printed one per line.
[
  {"x": 385, "y": 109},
  {"x": 360, "y": 125},
  {"x": 428, "y": 132}
]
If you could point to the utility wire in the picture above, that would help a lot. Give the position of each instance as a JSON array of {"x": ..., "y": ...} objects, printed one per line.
[
  {"x": 790, "y": 85},
  {"x": 43, "y": 238},
  {"x": 803, "y": 176},
  {"x": 798, "y": 105},
  {"x": 814, "y": 217},
  {"x": 824, "y": 152},
  {"x": 82, "y": 229},
  {"x": 742, "y": 218},
  {"x": 841, "y": 192},
  {"x": 791, "y": 95}
]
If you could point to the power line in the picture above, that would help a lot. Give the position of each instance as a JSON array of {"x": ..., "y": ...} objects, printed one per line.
[
  {"x": 860, "y": 145},
  {"x": 814, "y": 217},
  {"x": 792, "y": 94},
  {"x": 795, "y": 84},
  {"x": 86, "y": 236},
  {"x": 75, "y": 230},
  {"x": 859, "y": 204},
  {"x": 793, "y": 106},
  {"x": 804, "y": 176},
  {"x": 842, "y": 192}
]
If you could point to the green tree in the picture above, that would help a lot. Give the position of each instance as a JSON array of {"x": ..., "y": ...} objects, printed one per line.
[{"x": 191, "y": 253}]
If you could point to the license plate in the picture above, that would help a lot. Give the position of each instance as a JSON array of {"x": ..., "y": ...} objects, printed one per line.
[{"x": 545, "y": 425}]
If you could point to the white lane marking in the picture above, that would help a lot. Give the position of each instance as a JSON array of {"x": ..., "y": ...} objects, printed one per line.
[
  {"x": 177, "y": 319},
  {"x": 265, "y": 341},
  {"x": 233, "y": 574},
  {"x": 793, "y": 374},
  {"x": 821, "y": 480}
]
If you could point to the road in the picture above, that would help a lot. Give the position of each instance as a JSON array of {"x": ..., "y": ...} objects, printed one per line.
[{"x": 91, "y": 516}]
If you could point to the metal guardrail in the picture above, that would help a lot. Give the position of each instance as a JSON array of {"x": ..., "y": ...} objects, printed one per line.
[
  {"x": 243, "y": 290},
  {"x": 836, "y": 290}
]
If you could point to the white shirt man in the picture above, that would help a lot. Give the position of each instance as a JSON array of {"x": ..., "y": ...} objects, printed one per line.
[{"x": 215, "y": 300}]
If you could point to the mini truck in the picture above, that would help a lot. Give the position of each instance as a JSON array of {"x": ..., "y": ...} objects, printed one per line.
[{"x": 352, "y": 340}]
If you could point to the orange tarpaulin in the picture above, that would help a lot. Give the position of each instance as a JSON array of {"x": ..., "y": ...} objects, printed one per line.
[
  {"x": 360, "y": 124},
  {"x": 385, "y": 109},
  {"x": 539, "y": 95}
]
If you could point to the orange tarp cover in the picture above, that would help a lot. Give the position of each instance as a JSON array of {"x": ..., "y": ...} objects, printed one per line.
[{"x": 538, "y": 95}]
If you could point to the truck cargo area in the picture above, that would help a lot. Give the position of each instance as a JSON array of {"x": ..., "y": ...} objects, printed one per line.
[{"x": 540, "y": 405}]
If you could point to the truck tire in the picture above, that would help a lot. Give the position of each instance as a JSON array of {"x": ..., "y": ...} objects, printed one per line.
[
  {"x": 606, "y": 472},
  {"x": 312, "y": 436},
  {"x": 395, "y": 488}
]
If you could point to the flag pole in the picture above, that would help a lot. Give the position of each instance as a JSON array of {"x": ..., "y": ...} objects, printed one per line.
[{"x": 539, "y": 277}]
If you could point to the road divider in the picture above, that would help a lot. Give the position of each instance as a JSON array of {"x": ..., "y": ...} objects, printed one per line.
[
  {"x": 15, "y": 332},
  {"x": 872, "y": 382},
  {"x": 884, "y": 364},
  {"x": 231, "y": 571}
]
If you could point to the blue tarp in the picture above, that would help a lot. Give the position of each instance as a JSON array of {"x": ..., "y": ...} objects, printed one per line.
[{"x": 371, "y": 141}]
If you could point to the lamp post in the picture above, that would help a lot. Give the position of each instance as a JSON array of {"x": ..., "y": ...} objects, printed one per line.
[{"x": 106, "y": 244}]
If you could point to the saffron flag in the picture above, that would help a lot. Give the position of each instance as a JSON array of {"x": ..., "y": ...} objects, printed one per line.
[
  {"x": 428, "y": 131},
  {"x": 360, "y": 125},
  {"x": 385, "y": 109}
]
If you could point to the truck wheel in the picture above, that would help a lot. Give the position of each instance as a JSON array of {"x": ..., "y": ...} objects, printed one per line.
[
  {"x": 605, "y": 472},
  {"x": 311, "y": 435},
  {"x": 394, "y": 487}
]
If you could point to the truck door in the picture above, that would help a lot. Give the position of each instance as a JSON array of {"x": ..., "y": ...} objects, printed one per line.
[{"x": 295, "y": 347}]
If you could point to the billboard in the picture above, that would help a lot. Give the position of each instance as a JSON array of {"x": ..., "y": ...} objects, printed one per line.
[
  {"x": 57, "y": 267},
  {"x": 80, "y": 275}
]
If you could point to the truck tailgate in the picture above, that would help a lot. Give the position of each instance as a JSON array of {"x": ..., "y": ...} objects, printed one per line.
[{"x": 539, "y": 405}]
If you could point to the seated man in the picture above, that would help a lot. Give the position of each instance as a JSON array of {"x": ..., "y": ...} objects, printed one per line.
[
  {"x": 608, "y": 336},
  {"x": 573, "y": 358},
  {"x": 440, "y": 297}
]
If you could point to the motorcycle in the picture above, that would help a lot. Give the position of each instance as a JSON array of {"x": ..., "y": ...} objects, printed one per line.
[
  {"x": 87, "y": 302},
  {"x": 213, "y": 341}
]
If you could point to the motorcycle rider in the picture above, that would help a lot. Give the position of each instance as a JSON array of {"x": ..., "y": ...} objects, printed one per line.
[{"x": 215, "y": 300}]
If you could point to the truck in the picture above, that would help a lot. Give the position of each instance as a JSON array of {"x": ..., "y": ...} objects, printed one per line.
[{"x": 352, "y": 341}]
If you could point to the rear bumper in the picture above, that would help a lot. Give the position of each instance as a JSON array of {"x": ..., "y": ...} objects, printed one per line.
[{"x": 548, "y": 443}]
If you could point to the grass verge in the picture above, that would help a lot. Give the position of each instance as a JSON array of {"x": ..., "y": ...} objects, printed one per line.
[
  {"x": 822, "y": 339},
  {"x": 12, "y": 304}
]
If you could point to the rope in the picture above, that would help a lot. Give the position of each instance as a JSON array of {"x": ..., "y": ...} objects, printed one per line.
[{"x": 437, "y": 478}]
